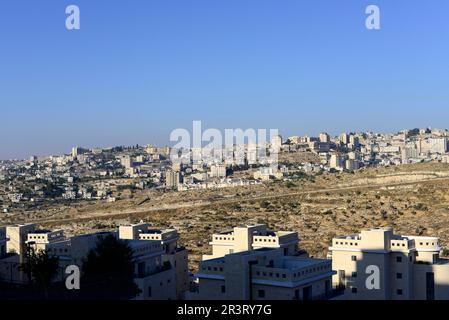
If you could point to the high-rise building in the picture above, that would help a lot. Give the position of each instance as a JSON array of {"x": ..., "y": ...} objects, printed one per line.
[
  {"x": 127, "y": 162},
  {"x": 336, "y": 161},
  {"x": 33, "y": 160},
  {"x": 354, "y": 140},
  {"x": 351, "y": 165},
  {"x": 77, "y": 151},
  {"x": 344, "y": 138},
  {"x": 438, "y": 145},
  {"x": 324, "y": 137},
  {"x": 172, "y": 179},
  {"x": 217, "y": 171}
]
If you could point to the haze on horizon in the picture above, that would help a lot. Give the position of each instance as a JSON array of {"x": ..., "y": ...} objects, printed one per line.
[{"x": 133, "y": 73}]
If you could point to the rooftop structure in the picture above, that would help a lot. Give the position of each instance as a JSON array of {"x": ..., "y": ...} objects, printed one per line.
[{"x": 251, "y": 238}]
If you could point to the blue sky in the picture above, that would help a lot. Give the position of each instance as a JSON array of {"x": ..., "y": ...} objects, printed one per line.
[{"x": 139, "y": 69}]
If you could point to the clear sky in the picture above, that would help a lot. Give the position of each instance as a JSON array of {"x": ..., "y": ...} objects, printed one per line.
[{"x": 139, "y": 69}]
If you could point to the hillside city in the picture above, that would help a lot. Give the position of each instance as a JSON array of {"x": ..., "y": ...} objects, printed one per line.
[
  {"x": 110, "y": 174},
  {"x": 208, "y": 230}
]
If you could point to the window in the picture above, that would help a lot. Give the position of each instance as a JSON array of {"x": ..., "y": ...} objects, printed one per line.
[
  {"x": 261, "y": 293},
  {"x": 399, "y": 292},
  {"x": 398, "y": 259},
  {"x": 354, "y": 258},
  {"x": 223, "y": 289},
  {"x": 354, "y": 274},
  {"x": 398, "y": 275},
  {"x": 354, "y": 290}
]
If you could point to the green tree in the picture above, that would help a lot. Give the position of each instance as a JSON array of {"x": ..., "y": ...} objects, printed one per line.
[
  {"x": 41, "y": 268},
  {"x": 108, "y": 270}
]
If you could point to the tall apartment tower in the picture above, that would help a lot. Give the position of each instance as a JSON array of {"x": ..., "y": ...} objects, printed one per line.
[
  {"x": 172, "y": 179},
  {"x": 344, "y": 138},
  {"x": 336, "y": 161},
  {"x": 407, "y": 267},
  {"x": 324, "y": 137}
]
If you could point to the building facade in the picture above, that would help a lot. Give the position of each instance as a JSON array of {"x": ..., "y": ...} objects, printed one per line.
[
  {"x": 171, "y": 255},
  {"x": 252, "y": 263},
  {"x": 406, "y": 267}
]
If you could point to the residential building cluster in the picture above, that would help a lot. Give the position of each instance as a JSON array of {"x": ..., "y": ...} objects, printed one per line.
[
  {"x": 251, "y": 263},
  {"x": 160, "y": 264}
]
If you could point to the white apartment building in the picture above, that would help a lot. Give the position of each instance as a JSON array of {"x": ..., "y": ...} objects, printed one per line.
[
  {"x": 217, "y": 171},
  {"x": 172, "y": 179},
  {"x": 336, "y": 161},
  {"x": 155, "y": 278},
  {"x": 252, "y": 263},
  {"x": 438, "y": 145},
  {"x": 18, "y": 236},
  {"x": 253, "y": 237},
  {"x": 352, "y": 165},
  {"x": 344, "y": 138},
  {"x": 154, "y": 275},
  {"x": 127, "y": 162},
  {"x": 324, "y": 137},
  {"x": 268, "y": 173},
  {"x": 409, "y": 267},
  {"x": 160, "y": 265},
  {"x": 172, "y": 254}
]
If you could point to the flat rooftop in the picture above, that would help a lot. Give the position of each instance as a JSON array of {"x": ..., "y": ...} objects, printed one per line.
[
  {"x": 43, "y": 231},
  {"x": 296, "y": 262}
]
